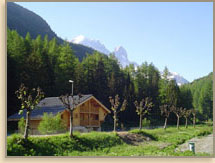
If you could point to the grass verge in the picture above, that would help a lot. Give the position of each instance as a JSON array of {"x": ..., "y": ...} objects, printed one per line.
[{"x": 163, "y": 143}]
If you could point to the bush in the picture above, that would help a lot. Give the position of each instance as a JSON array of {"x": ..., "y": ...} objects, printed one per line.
[
  {"x": 51, "y": 124},
  {"x": 21, "y": 125},
  {"x": 145, "y": 123},
  {"x": 61, "y": 144}
]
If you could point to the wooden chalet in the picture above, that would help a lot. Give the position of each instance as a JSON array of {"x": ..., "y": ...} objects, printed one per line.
[{"x": 88, "y": 115}]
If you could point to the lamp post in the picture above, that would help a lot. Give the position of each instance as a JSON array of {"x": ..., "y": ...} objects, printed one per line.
[
  {"x": 71, "y": 110},
  {"x": 72, "y": 87}
]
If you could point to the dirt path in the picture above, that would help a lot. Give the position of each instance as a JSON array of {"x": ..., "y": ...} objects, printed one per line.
[
  {"x": 133, "y": 139},
  {"x": 202, "y": 145}
]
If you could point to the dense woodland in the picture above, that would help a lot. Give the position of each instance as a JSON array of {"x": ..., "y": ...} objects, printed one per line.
[{"x": 49, "y": 65}]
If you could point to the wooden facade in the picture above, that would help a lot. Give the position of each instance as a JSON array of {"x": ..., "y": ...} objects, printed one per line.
[{"x": 88, "y": 114}]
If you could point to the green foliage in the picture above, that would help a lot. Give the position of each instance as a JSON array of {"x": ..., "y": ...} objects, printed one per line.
[
  {"x": 25, "y": 21},
  {"x": 38, "y": 61},
  {"x": 145, "y": 122},
  {"x": 21, "y": 125},
  {"x": 201, "y": 95},
  {"x": 60, "y": 145},
  {"x": 51, "y": 124},
  {"x": 106, "y": 144}
]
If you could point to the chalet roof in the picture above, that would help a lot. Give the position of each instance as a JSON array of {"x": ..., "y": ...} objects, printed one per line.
[
  {"x": 38, "y": 113},
  {"x": 48, "y": 105},
  {"x": 52, "y": 105}
]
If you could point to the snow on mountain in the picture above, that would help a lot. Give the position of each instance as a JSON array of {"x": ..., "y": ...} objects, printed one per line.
[
  {"x": 119, "y": 51},
  {"x": 178, "y": 78},
  {"x": 95, "y": 44},
  {"x": 122, "y": 56}
]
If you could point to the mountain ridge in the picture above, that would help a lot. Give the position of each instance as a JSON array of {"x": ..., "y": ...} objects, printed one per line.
[
  {"x": 122, "y": 56},
  {"x": 23, "y": 21}
]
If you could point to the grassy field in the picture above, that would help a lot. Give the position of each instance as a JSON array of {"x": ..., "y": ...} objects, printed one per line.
[{"x": 162, "y": 143}]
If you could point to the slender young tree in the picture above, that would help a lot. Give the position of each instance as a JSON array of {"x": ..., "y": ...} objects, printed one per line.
[
  {"x": 29, "y": 100},
  {"x": 193, "y": 112},
  {"x": 186, "y": 114},
  {"x": 143, "y": 108},
  {"x": 178, "y": 112},
  {"x": 115, "y": 106},
  {"x": 70, "y": 103},
  {"x": 165, "y": 111}
]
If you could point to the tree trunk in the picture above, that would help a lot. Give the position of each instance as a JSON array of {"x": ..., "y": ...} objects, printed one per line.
[
  {"x": 186, "y": 123},
  {"x": 177, "y": 122},
  {"x": 194, "y": 122},
  {"x": 141, "y": 124},
  {"x": 71, "y": 124},
  {"x": 114, "y": 125},
  {"x": 165, "y": 124},
  {"x": 27, "y": 125}
]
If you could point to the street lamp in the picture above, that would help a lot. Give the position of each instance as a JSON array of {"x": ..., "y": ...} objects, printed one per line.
[{"x": 72, "y": 85}]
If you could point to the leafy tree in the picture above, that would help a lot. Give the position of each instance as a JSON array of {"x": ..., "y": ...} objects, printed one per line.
[
  {"x": 29, "y": 100},
  {"x": 186, "y": 114},
  {"x": 70, "y": 103},
  {"x": 116, "y": 108},
  {"x": 193, "y": 112},
  {"x": 178, "y": 112},
  {"x": 143, "y": 108},
  {"x": 165, "y": 111}
]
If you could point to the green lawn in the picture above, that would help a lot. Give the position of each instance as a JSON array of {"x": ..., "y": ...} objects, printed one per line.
[{"x": 163, "y": 143}]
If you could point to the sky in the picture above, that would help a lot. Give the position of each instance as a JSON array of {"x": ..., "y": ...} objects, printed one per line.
[{"x": 178, "y": 35}]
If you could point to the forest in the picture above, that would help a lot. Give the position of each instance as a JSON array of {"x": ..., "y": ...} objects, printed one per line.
[{"x": 50, "y": 65}]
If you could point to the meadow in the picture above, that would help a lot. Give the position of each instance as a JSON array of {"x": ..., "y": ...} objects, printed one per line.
[{"x": 155, "y": 142}]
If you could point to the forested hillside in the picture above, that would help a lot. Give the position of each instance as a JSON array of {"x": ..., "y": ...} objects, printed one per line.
[
  {"x": 201, "y": 92},
  {"x": 24, "y": 21},
  {"x": 49, "y": 65}
]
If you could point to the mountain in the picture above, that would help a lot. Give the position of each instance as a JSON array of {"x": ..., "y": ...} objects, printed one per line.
[
  {"x": 23, "y": 20},
  {"x": 178, "y": 78},
  {"x": 95, "y": 44},
  {"x": 119, "y": 52}
]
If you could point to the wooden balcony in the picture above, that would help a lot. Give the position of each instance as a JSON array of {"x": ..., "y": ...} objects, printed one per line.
[
  {"x": 89, "y": 123},
  {"x": 94, "y": 123},
  {"x": 84, "y": 123}
]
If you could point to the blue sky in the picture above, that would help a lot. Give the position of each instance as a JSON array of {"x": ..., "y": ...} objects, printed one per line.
[{"x": 176, "y": 35}]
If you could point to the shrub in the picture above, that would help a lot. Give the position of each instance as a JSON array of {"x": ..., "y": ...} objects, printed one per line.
[
  {"x": 21, "y": 125},
  {"x": 51, "y": 124},
  {"x": 145, "y": 123}
]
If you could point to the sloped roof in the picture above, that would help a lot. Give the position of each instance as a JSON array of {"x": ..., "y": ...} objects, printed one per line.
[
  {"x": 48, "y": 105},
  {"x": 38, "y": 113},
  {"x": 55, "y": 101}
]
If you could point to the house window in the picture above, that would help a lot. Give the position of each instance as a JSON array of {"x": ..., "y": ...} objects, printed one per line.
[
  {"x": 95, "y": 117},
  {"x": 76, "y": 115}
]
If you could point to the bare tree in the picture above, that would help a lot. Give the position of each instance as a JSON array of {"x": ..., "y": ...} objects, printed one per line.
[
  {"x": 29, "y": 100},
  {"x": 165, "y": 111},
  {"x": 178, "y": 112},
  {"x": 186, "y": 114},
  {"x": 143, "y": 108},
  {"x": 115, "y": 106},
  {"x": 193, "y": 112},
  {"x": 70, "y": 104}
]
